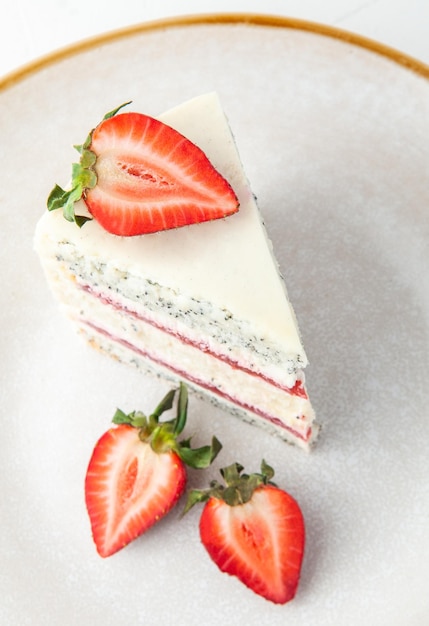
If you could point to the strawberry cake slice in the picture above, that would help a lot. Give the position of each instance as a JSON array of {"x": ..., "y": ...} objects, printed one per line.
[{"x": 199, "y": 302}]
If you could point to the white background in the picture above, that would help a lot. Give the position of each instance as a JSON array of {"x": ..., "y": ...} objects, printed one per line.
[{"x": 29, "y": 29}]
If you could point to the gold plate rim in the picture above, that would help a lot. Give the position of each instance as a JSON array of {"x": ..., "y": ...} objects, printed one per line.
[{"x": 263, "y": 20}]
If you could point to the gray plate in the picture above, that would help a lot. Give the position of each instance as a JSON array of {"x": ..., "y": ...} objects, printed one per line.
[{"x": 333, "y": 135}]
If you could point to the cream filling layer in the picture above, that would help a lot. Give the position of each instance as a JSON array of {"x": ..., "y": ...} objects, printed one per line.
[
  {"x": 250, "y": 393},
  {"x": 125, "y": 354}
]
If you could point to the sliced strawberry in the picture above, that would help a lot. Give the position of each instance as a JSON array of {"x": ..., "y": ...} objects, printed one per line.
[
  {"x": 138, "y": 175},
  {"x": 137, "y": 473},
  {"x": 129, "y": 487},
  {"x": 253, "y": 530}
]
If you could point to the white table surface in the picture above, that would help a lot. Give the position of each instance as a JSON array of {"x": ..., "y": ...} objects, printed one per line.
[{"x": 29, "y": 30}]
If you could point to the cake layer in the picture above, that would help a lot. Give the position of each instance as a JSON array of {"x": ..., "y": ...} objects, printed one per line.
[
  {"x": 141, "y": 340},
  {"x": 298, "y": 433}
]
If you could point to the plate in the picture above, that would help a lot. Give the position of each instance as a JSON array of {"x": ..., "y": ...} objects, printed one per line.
[{"x": 332, "y": 130}]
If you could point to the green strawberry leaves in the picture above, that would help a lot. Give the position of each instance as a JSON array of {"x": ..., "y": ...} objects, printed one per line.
[
  {"x": 199, "y": 458},
  {"x": 238, "y": 487},
  {"x": 162, "y": 436},
  {"x": 83, "y": 178},
  {"x": 60, "y": 198}
]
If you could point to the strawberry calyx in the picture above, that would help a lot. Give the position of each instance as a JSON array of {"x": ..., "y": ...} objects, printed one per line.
[
  {"x": 163, "y": 436},
  {"x": 83, "y": 177},
  {"x": 237, "y": 489}
]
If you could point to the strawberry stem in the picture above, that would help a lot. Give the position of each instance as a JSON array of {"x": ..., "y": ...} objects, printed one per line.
[
  {"x": 162, "y": 436},
  {"x": 114, "y": 111}
]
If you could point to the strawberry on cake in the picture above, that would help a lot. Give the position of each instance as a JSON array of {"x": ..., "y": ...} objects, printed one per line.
[{"x": 159, "y": 255}]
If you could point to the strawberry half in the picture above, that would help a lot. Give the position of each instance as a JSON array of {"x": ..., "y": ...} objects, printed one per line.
[
  {"x": 138, "y": 175},
  {"x": 137, "y": 473},
  {"x": 253, "y": 530}
]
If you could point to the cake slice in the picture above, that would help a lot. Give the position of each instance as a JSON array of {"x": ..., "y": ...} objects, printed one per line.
[{"x": 204, "y": 303}]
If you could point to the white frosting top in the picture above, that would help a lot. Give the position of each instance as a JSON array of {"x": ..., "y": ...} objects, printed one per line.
[{"x": 228, "y": 262}]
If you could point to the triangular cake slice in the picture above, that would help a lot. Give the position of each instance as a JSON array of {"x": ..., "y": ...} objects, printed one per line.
[{"x": 203, "y": 303}]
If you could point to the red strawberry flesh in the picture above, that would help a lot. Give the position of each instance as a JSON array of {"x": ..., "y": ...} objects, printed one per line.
[
  {"x": 151, "y": 178},
  {"x": 253, "y": 530},
  {"x": 261, "y": 542},
  {"x": 137, "y": 472},
  {"x": 129, "y": 487}
]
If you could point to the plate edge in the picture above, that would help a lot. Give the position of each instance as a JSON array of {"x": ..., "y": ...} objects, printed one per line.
[{"x": 252, "y": 19}]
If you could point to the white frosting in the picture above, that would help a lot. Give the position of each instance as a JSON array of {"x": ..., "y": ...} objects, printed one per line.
[{"x": 227, "y": 262}]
